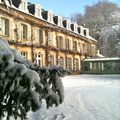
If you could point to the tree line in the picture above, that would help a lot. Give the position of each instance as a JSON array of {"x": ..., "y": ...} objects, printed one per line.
[{"x": 103, "y": 20}]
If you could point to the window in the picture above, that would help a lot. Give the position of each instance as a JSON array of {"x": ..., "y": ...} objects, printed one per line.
[
  {"x": 85, "y": 32},
  {"x": 79, "y": 30},
  {"x": 50, "y": 38},
  {"x": 79, "y": 44},
  {"x": 67, "y": 43},
  {"x": 60, "y": 61},
  {"x": 50, "y": 17},
  {"x": 75, "y": 45},
  {"x": 23, "y": 31},
  {"x": 93, "y": 49},
  {"x": 84, "y": 48},
  {"x": 5, "y": 26},
  {"x": 68, "y": 25},
  {"x": 81, "y": 48},
  {"x": 60, "y": 42},
  {"x": 38, "y": 59},
  {"x": 38, "y": 12},
  {"x": 75, "y": 64},
  {"x": 69, "y": 63},
  {"x": 40, "y": 36},
  {"x": 24, "y": 54},
  {"x": 50, "y": 60},
  {"x": 75, "y": 30},
  {"x": 89, "y": 49},
  {"x": 60, "y": 22},
  {"x": 23, "y": 5}
]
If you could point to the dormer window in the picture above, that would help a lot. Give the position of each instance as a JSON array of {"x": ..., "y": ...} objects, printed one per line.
[
  {"x": 60, "y": 22},
  {"x": 67, "y": 24},
  {"x": 47, "y": 16},
  {"x": 74, "y": 27},
  {"x": 23, "y": 6},
  {"x": 35, "y": 9},
  {"x": 50, "y": 17},
  {"x": 85, "y": 32},
  {"x": 38, "y": 12},
  {"x": 81, "y": 30}
]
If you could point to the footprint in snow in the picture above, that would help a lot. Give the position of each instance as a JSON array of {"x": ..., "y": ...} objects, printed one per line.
[{"x": 60, "y": 116}]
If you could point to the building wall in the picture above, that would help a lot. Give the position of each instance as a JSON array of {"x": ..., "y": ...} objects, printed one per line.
[{"x": 44, "y": 43}]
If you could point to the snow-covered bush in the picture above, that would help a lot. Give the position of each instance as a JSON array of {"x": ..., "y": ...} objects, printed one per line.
[{"x": 23, "y": 85}]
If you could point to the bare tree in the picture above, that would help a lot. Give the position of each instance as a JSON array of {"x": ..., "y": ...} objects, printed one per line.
[{"x": 99, "y": 18}]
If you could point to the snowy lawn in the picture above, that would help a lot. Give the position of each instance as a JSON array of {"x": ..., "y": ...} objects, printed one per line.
[{"x": 87, "y": 97}]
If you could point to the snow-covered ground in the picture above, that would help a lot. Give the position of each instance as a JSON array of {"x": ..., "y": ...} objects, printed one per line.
[{"x": 87, "y": 97}]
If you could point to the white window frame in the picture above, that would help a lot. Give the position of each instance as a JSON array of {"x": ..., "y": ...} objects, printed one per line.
[
  {"x": 23, "y": 35},
  {"x": 24, "y": 54},
  {"x": 39, "y": 59},
  {"x": 50, "y": 38},
  {"x": 4, "y": 28}
]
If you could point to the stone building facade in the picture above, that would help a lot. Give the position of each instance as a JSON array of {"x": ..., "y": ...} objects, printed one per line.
[{"x": 43, "y": 37}]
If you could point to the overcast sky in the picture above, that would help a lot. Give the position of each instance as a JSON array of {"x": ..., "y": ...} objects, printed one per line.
[{"x": 67, "y": 7}]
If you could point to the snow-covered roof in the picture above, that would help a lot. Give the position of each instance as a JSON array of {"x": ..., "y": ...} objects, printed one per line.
[
  {"x": 91, "y": 38},
  {"x": 104, "y": 59}
]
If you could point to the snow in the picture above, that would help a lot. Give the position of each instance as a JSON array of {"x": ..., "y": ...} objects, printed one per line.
[
  {"x": 103, "y": 59},
  {"x": 87, "y": 97}
]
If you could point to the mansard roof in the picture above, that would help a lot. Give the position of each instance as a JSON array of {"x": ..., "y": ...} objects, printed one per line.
[{"x": 53, "y": 19}]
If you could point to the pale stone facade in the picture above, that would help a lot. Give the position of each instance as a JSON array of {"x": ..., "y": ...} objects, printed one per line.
[{"x": 44, "y": 38}]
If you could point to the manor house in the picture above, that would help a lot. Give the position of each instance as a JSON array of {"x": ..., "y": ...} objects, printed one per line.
[{"x": 45, "y": 38}]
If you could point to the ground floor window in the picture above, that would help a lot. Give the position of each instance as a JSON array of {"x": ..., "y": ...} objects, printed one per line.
[
  {"x": 50, "y": 60},
  {"x": 75, "y": 64},
  {"x": 60, "y": 61},
  {"x": 38, "y": 59},
  {"x": 24, "y": 54},
  {"x": 68, "y": 63}
]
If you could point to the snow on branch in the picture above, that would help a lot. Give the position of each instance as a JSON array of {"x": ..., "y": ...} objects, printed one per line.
[{"x": 23, "y": 85}]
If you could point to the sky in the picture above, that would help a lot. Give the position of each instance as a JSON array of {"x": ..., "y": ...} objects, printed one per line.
[{"x": 67, "y": 7}]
